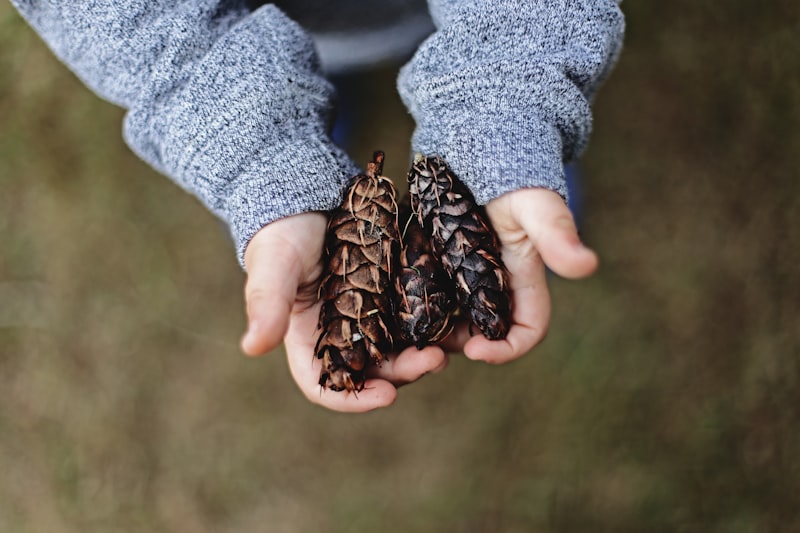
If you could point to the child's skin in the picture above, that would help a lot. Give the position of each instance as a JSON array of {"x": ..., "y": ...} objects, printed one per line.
[{"x": 284, "y": 260}]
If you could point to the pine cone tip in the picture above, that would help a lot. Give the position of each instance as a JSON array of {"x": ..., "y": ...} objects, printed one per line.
[{"x": 375, "y": 167}]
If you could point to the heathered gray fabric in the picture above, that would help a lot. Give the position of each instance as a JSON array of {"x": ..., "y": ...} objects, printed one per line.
[
  {"x": 501, "y": 91},
  {"x": 230, "y": 103}
]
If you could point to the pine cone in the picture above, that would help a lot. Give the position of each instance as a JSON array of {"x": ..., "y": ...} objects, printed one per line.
[
  {"x": 356, "y": 315},
  {"x": 425, "y": 293},
  {"x": 464, "y": 242}
]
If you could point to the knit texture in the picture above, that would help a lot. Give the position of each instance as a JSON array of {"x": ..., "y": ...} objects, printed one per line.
[
  {"x": 501, "y": 91},
  {"x": 229, "y": 101}
]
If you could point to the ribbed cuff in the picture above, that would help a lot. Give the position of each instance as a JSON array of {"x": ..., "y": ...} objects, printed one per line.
[
  {"x": 493, "y": 157},
  {"x": 285, "y": 180}
]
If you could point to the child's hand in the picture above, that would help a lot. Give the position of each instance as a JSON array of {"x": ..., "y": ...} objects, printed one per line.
[
  {"x": 535, "y": 228},
  {"x": 284, "y": 262}
]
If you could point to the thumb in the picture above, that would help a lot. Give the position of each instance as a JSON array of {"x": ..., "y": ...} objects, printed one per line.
[
  {"x": 555, "y": 236},
  {"x": 273, "y": 276}
]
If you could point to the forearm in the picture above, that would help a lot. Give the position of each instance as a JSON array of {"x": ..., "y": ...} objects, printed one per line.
[
  {"x": 229, "y": 103},
  {"x": 502, "y": 89}
]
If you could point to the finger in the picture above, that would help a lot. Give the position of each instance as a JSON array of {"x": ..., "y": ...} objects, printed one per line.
[
  {"x": 281, "y": 257},
  {"x": 410, "y": 365},
  {"x": 548, "y": 222},
  {"x": 305, "y": 369},
  {"x": 458, "y": 337},
  {"x": 530, "y": 310},
  {"x": 272, "y": 281}
]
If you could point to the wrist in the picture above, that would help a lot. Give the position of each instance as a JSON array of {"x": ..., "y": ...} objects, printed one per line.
[
  {"x": 301, "y": 235},
  {"x": 282, "y": 181}
]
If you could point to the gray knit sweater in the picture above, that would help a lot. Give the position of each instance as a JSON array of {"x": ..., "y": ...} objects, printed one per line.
[{"x": 230, "y": 102}]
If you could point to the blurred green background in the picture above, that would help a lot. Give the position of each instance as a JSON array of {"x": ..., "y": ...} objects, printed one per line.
[{"x": 666, "y": 397}]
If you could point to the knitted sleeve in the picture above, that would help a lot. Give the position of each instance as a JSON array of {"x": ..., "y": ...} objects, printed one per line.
[
  {"x": 502, "y": 89},
  {"x": 227, "y": 102}
]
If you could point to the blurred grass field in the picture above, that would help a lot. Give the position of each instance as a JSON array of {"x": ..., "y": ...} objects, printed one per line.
[{"x": 666, "y": 397}]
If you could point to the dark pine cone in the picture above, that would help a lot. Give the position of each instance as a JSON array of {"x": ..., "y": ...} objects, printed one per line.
[
  {"x": 425, "y": 293},
  {"x": 356, "y": 315},
  {"x": 464, "y": 242}
]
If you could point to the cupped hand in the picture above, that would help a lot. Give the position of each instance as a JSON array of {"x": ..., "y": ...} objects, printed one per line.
[
  {"x": 535, "y": 229},
  {"x": 284, "y": 262}
]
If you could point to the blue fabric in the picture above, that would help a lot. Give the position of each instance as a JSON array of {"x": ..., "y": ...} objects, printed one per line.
[
  {"x": 347, "y": 108},
  {"x": 575, "y": 193}
]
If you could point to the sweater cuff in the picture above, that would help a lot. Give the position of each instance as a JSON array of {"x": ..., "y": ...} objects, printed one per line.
[
  {"x": 314, "y": 173},
  {"x": 495, "y": 157}
]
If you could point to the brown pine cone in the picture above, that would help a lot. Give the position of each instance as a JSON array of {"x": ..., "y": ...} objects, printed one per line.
[
  {"x": 425, "y": 293},
  {"x": 464, "y": 242},
  {"x": 361, "y": 245}
]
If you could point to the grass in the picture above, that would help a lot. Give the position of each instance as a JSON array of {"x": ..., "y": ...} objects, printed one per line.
[{"x": 664, "y": 399}]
